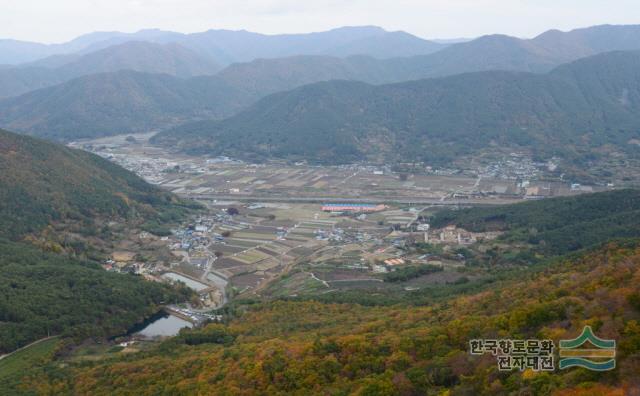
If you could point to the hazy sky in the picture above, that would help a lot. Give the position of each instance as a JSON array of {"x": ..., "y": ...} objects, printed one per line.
[{"x": 61, "y": 20}]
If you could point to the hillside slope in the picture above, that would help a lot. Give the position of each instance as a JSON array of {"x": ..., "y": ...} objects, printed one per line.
[
  {"x": 42, "y": 184},
  {"x": 63, "y": 200},
  {"x": 573, "y": 109},
  {"x": 45, "y": 294},
  {"x": 312, "y": 348},
  {"x": 266, "y": 76}
]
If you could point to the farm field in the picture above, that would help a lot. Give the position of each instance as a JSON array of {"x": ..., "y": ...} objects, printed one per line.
[{"x": 277, "y": 182}]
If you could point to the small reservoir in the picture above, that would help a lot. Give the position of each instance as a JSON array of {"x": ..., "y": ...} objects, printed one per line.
[{"x": 164, "y": 326}]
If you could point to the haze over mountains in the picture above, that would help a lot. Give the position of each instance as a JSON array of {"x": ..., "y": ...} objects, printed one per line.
[
  {"x": 408, "y": 57},
  {"x": 112, "y": 85},
  {"x": 227, "y": 46},
  {"x": 172, "y": 59},
  {"x": 195, "y": 54}
]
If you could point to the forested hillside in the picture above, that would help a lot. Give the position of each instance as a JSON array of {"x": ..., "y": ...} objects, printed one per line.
[
  {"x": 45, "y": 294},
  {"x": 569, "y": 112},
  {"x": 61, "y": 200},
  {"x": 309, "y": 348},
  {"x": 43, "y": 183},
  {"x": 557, "y": 225},
  {"x": 116, "y": 103}
]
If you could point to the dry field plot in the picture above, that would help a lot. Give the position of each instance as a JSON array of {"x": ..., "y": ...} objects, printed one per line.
[
  {"x": 266, "y": 250},
  {"x": 307, "y": 232},
  {"x": 242, "y": 243},
  {"x": 226, "y": 262},
  {"x": 292, "y": 183},
  {"x": 267, "y": 265},
  {"x": 251, "y": 256},
  {"x": 299, "y": 239},
  {"x": 247, "y": 281},
  {"x": 226, "y": 249},
  {"x": 254, "y": 236},
  {"x": 301, "y": 251},
  {"x": 276, "y": 248}
]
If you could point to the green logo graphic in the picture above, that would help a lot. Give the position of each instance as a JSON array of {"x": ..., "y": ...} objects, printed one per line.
[{"x": 600, "y": 358}]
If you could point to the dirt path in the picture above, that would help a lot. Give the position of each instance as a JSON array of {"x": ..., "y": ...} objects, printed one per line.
[{"x": 27, "y": 346}]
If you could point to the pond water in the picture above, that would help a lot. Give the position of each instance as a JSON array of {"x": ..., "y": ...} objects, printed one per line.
[
  {"x": 195, "y": 285},
  {"x": 164, "y": 326}
]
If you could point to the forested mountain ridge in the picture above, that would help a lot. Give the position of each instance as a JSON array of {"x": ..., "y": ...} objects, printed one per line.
[
  {"x": 569, "y": 111},
  {"x": 141, "y": 56},
  {"x": 43, "y": 183},
  {"x": 305, "y": 348},
  {"x": 539, "y": 55},
  {"x": 117, "y": 103},
  {"x": 172, "y": 59}
]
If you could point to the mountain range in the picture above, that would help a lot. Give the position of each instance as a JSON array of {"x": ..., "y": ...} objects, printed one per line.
[
  {"x": 125, "y": 102},
  {"x": 69, "y": 109},
  {"x": 579, "y": 106},
  {"x": 188, "y": 55},
  {"x": 228, "y": 46},
  {"x": 409, "y": 57}
]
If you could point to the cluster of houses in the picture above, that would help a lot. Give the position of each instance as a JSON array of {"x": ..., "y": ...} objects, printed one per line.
[
  {"x": 125, "y": 262},
  {"x": 453, "y": 235}
]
